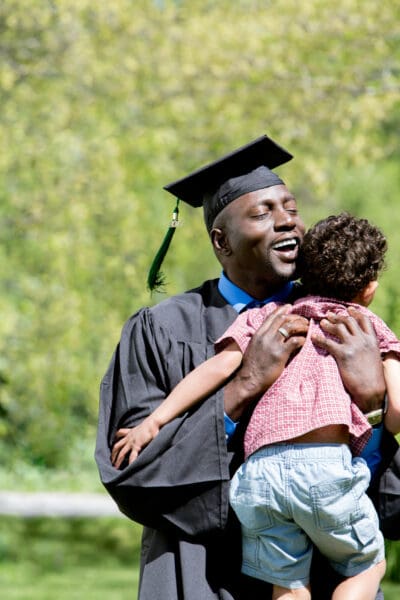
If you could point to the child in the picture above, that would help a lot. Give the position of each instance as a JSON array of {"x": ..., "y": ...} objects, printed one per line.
[{"x": 299, "y": 484}]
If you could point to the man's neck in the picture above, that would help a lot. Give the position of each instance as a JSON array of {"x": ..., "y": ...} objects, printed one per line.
[
  {"x": 259, "y": 290},
  {"x": 239, "y": 298}
]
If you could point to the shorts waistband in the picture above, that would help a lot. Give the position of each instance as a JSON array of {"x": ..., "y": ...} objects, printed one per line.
[{"x": 316, "y": 452}]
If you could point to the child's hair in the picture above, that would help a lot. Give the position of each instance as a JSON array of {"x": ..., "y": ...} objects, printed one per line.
[{"x": 340, "y": 255}]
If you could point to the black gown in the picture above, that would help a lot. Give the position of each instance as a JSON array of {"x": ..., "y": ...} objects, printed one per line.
[{"x": 178, "y": 487}]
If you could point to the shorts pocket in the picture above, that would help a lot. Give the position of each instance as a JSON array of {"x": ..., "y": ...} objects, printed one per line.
[
  {"x": 251, "y": 502},
  {"x": 365, "y": 531},
  {"x": 334, "y": 504}
]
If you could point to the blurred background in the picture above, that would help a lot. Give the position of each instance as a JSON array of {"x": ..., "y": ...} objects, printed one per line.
[{"x": 103, "y": 103}]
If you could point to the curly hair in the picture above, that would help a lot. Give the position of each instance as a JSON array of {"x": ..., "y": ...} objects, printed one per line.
[{"x": 340, "y": 255}]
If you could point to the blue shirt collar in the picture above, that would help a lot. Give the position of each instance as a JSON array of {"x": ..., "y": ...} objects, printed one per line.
[{"x": 239, "y": 299}]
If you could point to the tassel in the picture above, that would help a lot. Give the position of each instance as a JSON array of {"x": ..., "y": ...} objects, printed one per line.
[{"x": 155, "y": 278}]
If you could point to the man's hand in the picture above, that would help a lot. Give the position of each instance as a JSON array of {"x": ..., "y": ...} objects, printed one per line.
[
  {"x": 356, "y": 352},
  {"x": 264, "y": 360},
  {"x": 132, "y": 441}
]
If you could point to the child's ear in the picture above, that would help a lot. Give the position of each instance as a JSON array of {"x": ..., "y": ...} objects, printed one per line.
[{"x": 366, "y": 296}]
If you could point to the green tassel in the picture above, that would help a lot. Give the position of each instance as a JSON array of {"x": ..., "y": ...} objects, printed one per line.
[{"x": 155, "y": 278}]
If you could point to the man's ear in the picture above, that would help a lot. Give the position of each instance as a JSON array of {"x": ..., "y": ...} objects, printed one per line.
[
  {"x": 366, "y": 296},
  {"x": 220, "y": 241}
]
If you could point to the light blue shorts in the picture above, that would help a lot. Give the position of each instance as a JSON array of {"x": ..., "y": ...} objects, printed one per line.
[{"x": 289, "y": 497}]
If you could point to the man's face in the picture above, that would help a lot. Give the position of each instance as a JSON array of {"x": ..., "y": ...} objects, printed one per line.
[{"x": 263, "y": 232}]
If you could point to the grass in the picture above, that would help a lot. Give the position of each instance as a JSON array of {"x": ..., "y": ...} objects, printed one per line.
[
  {"x": 391, "y": 590},
  {"x": 88, "y": 559},
  {"x": 74, "y": 559},
  {"x": 24, "y": 581}
]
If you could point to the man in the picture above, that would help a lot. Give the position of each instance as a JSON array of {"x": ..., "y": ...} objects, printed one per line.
[{"x": 178, "y": 486}]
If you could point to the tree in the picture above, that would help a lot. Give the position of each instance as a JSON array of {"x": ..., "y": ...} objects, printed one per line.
[{"x": 104, "y": 103}]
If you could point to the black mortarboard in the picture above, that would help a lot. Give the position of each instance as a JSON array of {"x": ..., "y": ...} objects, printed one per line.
[{"x": 217, "y": 184}]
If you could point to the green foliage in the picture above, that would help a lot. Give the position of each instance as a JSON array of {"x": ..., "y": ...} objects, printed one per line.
[
  {"x": 53, "y": 543},
  {"x": 78, "y": 472},
  {"x": 104, "y": 103},
  {"x": 42, "y": 559},
  {"x": 393, "y": 561}
]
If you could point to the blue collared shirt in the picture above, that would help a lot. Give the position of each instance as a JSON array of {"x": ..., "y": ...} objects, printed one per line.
[
  {"x": 239, "y": 299},
  {"x": 372, "y": 452}
]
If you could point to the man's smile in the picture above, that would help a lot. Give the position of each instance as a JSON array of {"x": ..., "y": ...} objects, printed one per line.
[{"x": 288, "y": 247}]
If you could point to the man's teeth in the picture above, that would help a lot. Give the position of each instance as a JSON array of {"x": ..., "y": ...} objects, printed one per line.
[{"x": 285, "y": 243}]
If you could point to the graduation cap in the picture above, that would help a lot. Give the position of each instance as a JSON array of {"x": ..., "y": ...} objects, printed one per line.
[{"x": 215, "y": 185}]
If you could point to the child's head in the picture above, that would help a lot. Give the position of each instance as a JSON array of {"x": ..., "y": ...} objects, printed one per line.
[{"x": 340, "y": 256}]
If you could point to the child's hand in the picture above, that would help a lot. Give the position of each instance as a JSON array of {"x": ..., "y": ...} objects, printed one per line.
[{"x": 132, "y": 441}]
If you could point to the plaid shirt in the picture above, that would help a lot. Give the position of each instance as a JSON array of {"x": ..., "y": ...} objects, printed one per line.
[{"x": 309, "y": 393}]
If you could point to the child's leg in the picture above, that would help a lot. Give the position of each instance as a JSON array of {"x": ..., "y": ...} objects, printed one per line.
[
  {"x": 363, "y": 586},
  {"x": 280, "y": 593}
]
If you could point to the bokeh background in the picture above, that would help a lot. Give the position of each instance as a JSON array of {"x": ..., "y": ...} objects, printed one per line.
[{"x": 103, "y": 103}]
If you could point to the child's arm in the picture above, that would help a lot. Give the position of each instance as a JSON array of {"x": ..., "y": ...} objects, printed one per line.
[
  {"x": 391, "y": 369},
  {"x": 197, "y": 385}
]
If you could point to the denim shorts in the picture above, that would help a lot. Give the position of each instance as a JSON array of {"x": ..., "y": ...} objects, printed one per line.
[{"x": 290, "y": 497}]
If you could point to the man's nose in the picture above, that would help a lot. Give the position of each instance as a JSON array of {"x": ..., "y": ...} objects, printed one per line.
[{"x": 284, "y": 219}]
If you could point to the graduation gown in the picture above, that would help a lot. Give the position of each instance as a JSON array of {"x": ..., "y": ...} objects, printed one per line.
[{"x": 178, "y": 487}]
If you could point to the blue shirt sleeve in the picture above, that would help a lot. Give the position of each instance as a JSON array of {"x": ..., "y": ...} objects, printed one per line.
[
  {"x": 230, "y": 427},
  {"x": 372, "y": 453}
]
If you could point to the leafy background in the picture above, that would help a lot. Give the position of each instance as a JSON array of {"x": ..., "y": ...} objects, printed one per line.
[{"x": 104, "y": 103}]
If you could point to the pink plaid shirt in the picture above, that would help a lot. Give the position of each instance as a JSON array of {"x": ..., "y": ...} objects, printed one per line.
[{"x": 309, "y": 393}]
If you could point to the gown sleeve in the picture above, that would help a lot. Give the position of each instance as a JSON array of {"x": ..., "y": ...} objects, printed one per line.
[{"x": 181, "y": 478}]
